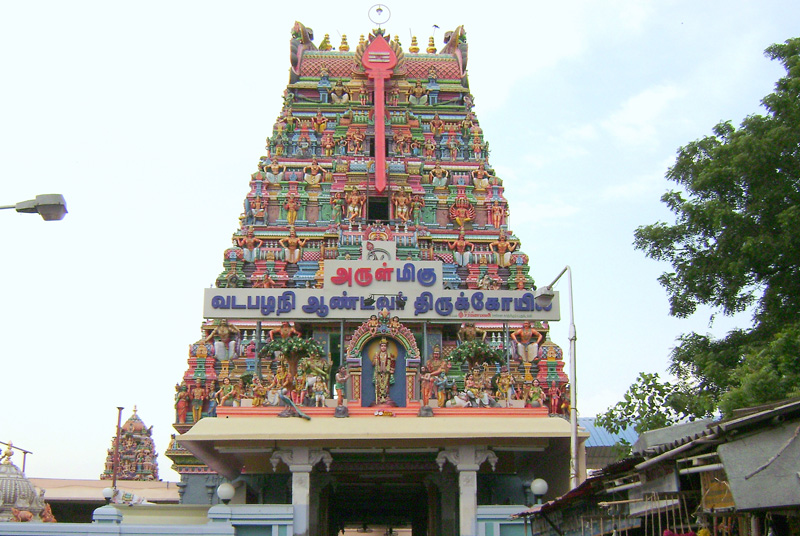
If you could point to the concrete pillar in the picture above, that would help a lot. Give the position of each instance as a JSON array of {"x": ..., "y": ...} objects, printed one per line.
[
  {"x": 301, "y": 498},
  {"x": 301, "y": 460},
  {"x": 467, "y": 459},
  {"x": 468, "y": 503}
]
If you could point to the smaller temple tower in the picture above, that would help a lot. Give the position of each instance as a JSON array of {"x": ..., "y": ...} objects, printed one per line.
[{"x": 137, "y": 452}]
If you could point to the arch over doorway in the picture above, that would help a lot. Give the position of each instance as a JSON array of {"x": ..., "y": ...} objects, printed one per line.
[{"x": 365, "y": 342}]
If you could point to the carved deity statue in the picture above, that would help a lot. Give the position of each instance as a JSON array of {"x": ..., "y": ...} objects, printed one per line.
[
  {"x": 224, "y": 336},
  {"x": 460, "y": 252},
  {"x": 293, "y": 247},
  {"x": 275, "y": 172},
  {"x": 471, "y": 333},
  {"x": 419, "y": 95},
  {"x": 341, "y": 385},
  {"x": 313, "y": 174},
  {"x": 402, "y": 205},
  {"x": 383, "y": 375},
  {"x": 503, "y": 248},
  {"x": 292, "y": 205},
  {"x": 249, "y": 244},
  {"x": 528, "y": 340},
  {"x": 438, "y": 176}
]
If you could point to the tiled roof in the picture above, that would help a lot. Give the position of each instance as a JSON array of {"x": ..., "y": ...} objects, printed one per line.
[
  {"x": 339, "y": 65},
  {"x": 446, "y": 67}
]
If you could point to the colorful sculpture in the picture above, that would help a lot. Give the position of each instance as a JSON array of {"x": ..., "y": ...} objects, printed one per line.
[
  {"x": 527, "y": 340},
  {"x": 460, "y": 252},
  {"x": 293, "y": 247},
  {"x": 502, "y": 247},
  {"x": 136, "y": 456},
  {"x": 383, "y": 362},
  {"x": 438, "y": 176}
]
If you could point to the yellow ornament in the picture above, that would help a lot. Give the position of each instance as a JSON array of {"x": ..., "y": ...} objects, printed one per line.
[
  {"x": 414, "y": 48},
  {"x": 431, "y": 46}
]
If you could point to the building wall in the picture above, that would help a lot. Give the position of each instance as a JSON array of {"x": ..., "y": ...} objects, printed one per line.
[{"x": 494, "y": 521}]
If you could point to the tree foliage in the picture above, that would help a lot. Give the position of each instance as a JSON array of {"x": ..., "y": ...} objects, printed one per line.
[
  {"x": 475, "y": 353},
  {"x": 636, "y": 407},
  {"x": 293, "y": 349},
  {"x": 735, "y": 246}
]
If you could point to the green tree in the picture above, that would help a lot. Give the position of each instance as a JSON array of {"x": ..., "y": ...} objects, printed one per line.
[
  {"x": 636, "y": 407},
  {"x": 735, "y": 246}
]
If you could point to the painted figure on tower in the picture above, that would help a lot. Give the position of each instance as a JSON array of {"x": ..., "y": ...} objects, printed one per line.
[{"x": 383, "y": 361}]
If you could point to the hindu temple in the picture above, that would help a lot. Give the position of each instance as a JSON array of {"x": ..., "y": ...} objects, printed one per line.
[
  {"x": 372, "y": 353},
  {"x": 136, "y": 452}
]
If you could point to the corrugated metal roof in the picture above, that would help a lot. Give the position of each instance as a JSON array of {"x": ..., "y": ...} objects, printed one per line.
[{"x": 600, "y": 437}]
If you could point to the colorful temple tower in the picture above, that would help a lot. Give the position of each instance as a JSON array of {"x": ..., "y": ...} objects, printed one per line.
[
  {"x": 374, "y": 288},
  {"x": 137, "y": 452}
]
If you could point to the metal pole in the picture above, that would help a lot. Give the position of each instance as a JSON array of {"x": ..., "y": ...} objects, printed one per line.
[
  {"x": 573, "y": 392},
  {"x": 23, "y": 451},
  {"x": 573, "y": 378},
  {"x": 258, "y": 349},
  {"x": 342, "y": 357},
  {"x": 116, "y": 448},
  {"x": 425, "y": 342}
]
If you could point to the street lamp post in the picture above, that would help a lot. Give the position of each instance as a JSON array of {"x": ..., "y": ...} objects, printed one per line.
[
  {"x": 543, "y": 296},
  {"x": 50, "y": 207}
]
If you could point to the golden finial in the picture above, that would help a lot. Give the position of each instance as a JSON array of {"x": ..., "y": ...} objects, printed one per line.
[
  {"x": 5, "y": 459},
  {"x": 397, "y": 40},
  {"x": 134, "y": 409},
  {"x": 344, "y": 47},
  {"x": 326, "y": 43},
  {"x": 431, "y": 46},
  {"x": 414, "y": 48},
  {"x": 361, "y": 40}
]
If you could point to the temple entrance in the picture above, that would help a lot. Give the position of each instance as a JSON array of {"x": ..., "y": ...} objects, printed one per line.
[
  {"x": 375, "y": 507},
  {"x": 394, "y": 360}
]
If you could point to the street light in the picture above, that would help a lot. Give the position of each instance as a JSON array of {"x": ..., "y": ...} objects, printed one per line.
[
  {"x": 51, "y": 207},
  {"x": 543, "y": 296},
  {"x": 539, "y": 489},
  {"x": 225, "y": 492}
]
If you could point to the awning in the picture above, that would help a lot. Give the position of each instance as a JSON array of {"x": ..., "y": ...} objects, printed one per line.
[{"x": 228, "y": 445}]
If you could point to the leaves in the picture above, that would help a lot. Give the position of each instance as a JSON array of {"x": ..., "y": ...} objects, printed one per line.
[
  {"x": 293, "y": 349},
  {"x": 645, "y": 406},
  {"x": 734, "y": 246},
  {"x": 475, "y": 352}
]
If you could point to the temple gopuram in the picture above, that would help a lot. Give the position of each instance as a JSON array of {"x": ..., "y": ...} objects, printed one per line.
[
  {"x": 372, "y": 353},
  {"x": 137, "y": 452}
]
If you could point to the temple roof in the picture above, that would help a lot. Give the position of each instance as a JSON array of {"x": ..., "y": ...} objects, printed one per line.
[
  {"x": 401, "y": 429},
  {"x": 16, "y": 491},
  {"x": 82, "y": 490}
]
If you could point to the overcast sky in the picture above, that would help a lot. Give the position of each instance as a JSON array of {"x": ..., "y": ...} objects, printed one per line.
[{"x": 150, "y": 117}]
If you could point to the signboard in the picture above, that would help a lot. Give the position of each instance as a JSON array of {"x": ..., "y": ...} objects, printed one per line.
[
  {"x": 411, "y": 290},
  {"x": 352, "y": 303},
  {"x": 716, "y": 491}
]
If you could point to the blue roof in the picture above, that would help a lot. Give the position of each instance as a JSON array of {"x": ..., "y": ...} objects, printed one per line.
[{"x": 600, "y": 437}]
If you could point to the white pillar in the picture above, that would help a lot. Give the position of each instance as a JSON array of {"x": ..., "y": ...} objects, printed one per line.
[
  {"x": 468, "y": 503},
  {"x": 468, "y": 460},
  {"x": 301, "y": 498},
  {"x": 301, "y": 460}
]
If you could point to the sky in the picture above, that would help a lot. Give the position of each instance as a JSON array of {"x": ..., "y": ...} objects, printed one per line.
[{"x": 149, "y": 117}]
